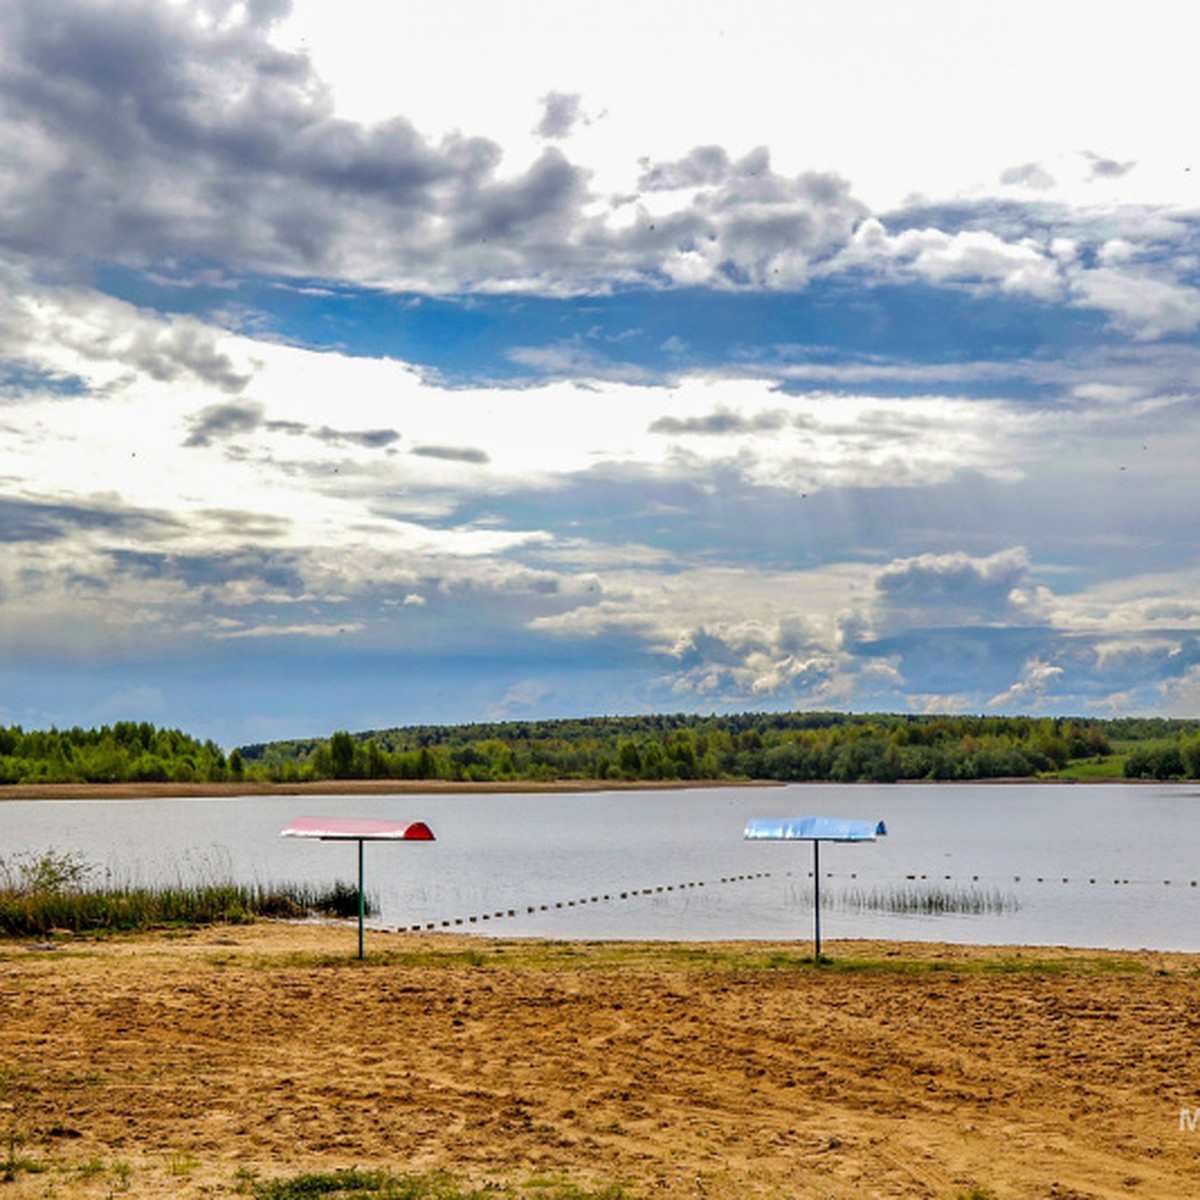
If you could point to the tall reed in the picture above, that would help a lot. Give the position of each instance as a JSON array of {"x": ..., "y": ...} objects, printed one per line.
[
  {"x": 929, "y": 900},
  {"x": 40, "y": 894},
  {"x": 912, "y": 899}
]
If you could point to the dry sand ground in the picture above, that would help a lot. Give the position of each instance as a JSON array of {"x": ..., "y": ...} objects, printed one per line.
[{"x": 163, "y": 1066}]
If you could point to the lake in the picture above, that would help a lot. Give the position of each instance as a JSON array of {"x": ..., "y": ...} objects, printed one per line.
[{"x": 1105, "y": 865}]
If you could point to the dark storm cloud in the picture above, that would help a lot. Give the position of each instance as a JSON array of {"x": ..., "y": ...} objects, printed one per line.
[
  {"x": 276, "y": 571},
  {"x": 30, "y": 521},
  {"x": 547, "y": 197},
  {"x": 464, "y": 454},
  {"x": 180, "y": 348},
  {"x": 369, "y": 439},
  {"x": 723, "y": 421},
  {"x": 220, "y": 421},
  {"x": 249, "y": 526},
  {"x": 1109, "y": 168},
  {"x": 943, "y": 587},
  {"x": 138, "y": 130},
  {"x": 953, "y": 578},
  {"x": 142, "y": 132},
  {"x": 560, "y": 115}
]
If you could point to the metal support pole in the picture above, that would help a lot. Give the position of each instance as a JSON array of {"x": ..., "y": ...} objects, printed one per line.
[
  {"x": 816, "y": 900},
  {"x": 362, "y": 904}
]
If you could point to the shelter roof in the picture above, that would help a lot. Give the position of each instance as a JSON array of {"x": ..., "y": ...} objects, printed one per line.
[
  {"x": 353, "y": 829},
  {"x": 813, "y": 829}
]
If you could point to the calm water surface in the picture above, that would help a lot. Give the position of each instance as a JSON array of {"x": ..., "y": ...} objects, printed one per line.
[{"x": 500, "y": 852}]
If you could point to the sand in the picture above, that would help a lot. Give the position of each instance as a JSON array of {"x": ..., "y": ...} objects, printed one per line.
[{"x": 177, "y": 1065}]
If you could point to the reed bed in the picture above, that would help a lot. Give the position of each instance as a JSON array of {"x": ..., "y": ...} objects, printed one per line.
[
  {"x": 52, "y": 892},
  {"x": 914, "y": 899}
]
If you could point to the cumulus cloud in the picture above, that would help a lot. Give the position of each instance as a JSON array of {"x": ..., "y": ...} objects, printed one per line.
[
  {"x": 970, "y": 258},
  {"x": 1133, "y": 278},
  {"x": 958, "y": 589},
  {"x": 703, "y": 166},
  {"x": 746, "y": 225},
  {"x": 722, "y": 634}
]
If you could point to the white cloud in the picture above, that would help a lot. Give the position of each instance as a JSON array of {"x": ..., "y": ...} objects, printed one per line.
[
  {"x": 1026, "y": 694},
  {"x": 976, "y": 259},
  {"x": 1181, "y": 697},
  {"x": 879, "y": 74},
  {"x": 1146, "y": 306},
  {"x": 731, "y": 632},
  {"x": 1134, "y": 610}
]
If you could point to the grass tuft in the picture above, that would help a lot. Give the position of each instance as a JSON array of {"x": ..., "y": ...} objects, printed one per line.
[{"x": 437, "y": 1186}]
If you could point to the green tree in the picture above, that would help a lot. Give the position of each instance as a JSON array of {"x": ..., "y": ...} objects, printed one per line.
[{"x": 341, "y": 755}]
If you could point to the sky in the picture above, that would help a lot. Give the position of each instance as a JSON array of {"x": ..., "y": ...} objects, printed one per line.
[{"x": 370, "y": 364}]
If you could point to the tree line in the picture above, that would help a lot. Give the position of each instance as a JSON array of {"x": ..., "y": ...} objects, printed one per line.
[
  {"x": 837, "y": 747},
  {"x": 126, "y": 752}
]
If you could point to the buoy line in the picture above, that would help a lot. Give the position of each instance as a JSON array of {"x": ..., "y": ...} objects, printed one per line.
[
  {"x": 501, "y": 914},
  {"x": 927, "y": 877}
]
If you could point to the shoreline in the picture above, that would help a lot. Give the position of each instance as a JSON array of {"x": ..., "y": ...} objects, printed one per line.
[
  {"x": 421, "y": 787},
  {"x": 353, "y": 787}
]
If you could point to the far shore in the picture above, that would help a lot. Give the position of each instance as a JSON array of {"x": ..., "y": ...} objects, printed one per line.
[
  {"x": 351, "y": 787},
  {"x": 459, "y": 787}
]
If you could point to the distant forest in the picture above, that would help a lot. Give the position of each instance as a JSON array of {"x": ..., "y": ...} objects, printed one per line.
[
  {"x": 829, "y": 746},
  {"x": 836, "y": 747},
  {"x": 129, "y": 751}
]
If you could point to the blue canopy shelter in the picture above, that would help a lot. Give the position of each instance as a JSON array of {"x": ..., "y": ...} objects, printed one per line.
[{"x": 815, "y": 830}]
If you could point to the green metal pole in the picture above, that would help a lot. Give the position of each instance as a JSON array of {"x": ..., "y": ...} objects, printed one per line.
[
  {"x": 817, "y": 899},
  {"x": 362, "y": 904}
]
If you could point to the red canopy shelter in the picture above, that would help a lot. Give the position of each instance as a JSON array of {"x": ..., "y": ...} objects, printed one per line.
[{"x": 358, "y": 829}]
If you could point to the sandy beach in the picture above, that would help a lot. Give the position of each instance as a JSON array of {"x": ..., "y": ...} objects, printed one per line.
[{"x": 181, "y": 1064}]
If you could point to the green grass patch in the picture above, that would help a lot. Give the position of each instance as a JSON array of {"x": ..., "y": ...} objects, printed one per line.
[
  {"x": 1111, "y": 766},
  {"x": 534, "y": 955},
  {"x": 384, "y": 1185}
]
